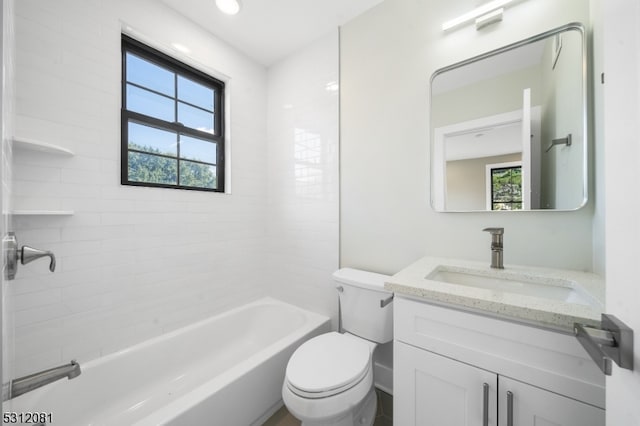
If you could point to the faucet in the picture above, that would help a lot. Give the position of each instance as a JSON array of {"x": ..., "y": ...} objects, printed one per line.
[
  {"x": 496, "y": 247},
  {"x": 34, "y": 381}
]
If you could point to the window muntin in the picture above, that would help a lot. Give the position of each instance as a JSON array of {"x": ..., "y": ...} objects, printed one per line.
[{"x": 172, "y": 122}]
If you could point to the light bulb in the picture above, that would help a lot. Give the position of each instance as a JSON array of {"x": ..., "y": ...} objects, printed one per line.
[{"x": 230, "y": 7}]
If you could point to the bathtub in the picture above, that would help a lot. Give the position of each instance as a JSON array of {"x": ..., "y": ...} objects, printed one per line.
[{"x": 226, "y": 370}]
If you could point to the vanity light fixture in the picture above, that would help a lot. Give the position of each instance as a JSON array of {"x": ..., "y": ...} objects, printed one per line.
[
  {"x": 484, "y": 15},
  {"x": 230, "y": 7},
  {"x": 489, "y": 18}
]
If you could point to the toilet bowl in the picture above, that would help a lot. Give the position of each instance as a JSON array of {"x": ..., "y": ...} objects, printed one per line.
[{"x": 329, "y": 378}]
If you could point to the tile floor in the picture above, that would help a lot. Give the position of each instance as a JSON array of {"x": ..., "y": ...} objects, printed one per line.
[{"x": 384, "y": 417}]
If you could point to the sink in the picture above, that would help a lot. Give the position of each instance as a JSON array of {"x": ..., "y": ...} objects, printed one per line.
[{"x": 504, "y": 281}]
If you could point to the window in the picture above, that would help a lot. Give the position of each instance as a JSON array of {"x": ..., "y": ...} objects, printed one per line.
[
  {"x": 172, "y": 122},
  {"x": 506, "y": 187}
]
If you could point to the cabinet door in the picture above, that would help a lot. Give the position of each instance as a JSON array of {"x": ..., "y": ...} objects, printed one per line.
[
  {"x": 432, "y": 390},
  {"x": 533, "y": 406}
]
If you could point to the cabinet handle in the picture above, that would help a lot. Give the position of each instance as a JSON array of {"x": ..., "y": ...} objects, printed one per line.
[
  {"x": 485, "y": 404},
  {"x": 509, "y": 408}
]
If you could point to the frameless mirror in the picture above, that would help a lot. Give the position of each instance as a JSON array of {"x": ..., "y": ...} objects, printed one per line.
[{"x": 509, "y": 127}]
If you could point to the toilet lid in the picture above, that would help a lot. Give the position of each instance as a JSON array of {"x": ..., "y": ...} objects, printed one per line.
[{"x": 328, "y": 364}]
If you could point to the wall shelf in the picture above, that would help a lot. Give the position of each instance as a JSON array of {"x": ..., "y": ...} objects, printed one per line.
[
  {"x": 33, "y": 145},
  {"x": 42, "y": 212}
]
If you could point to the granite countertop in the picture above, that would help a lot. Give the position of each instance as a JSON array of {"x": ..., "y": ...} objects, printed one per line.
[{"x": 530, "y": 308}]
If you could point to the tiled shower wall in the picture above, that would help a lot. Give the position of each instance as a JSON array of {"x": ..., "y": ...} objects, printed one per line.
[{"x": 132, "y": 262}]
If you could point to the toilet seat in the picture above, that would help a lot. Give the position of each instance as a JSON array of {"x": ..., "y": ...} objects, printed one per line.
[{"x": 328, "y": 365}]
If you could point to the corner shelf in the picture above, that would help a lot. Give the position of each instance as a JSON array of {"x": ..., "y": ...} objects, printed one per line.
[
  {"x": 42, "y": 212},
  {"x": 38, "y": 146}
]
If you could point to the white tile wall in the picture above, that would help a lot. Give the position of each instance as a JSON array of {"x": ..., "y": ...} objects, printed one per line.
[
  {"x": 132, "y": 262},
  {"x": 6, "y": 168},
  {"x": 303, "y": 212}
]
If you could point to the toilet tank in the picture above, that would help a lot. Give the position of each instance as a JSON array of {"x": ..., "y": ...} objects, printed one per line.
[{"x": 360, "y": 295}]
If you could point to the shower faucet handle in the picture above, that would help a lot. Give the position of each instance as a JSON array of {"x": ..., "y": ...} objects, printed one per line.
[
  {"x": 25, "y": 255},
  {"x": 29, "y": 254}
]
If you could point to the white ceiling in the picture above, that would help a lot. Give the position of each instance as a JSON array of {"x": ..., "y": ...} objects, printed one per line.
[
  {"x": 269, "y": 30},
  {"x": 485, "y": 142}
]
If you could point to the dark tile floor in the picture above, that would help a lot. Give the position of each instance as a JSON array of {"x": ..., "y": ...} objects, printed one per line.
[{"x": 384, "y": 417}]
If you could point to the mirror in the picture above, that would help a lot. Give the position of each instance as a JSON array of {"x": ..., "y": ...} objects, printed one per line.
[{"x": 509, "y": 127}]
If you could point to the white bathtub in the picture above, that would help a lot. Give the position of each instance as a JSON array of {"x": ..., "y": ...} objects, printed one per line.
[{"x": 226, "y": 370}]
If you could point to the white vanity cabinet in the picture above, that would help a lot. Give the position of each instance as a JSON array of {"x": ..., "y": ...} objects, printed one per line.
[
  {"x": 430, "y": 389},
  {"x": 455, "y": 368}
]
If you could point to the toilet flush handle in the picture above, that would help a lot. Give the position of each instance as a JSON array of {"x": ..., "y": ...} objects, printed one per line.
[{"x": 385, "y": 302}]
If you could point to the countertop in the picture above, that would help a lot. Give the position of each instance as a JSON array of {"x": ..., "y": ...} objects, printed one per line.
[{"x": 539, "y": 311}]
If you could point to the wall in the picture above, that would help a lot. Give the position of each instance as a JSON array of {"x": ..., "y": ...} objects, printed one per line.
[
  {"x": 303, "y": 176},
  {"x": 6, "y": 108},
  {"x": 487, "y": 97},
  {"x": 132, "y": 262},
  {"x": 387, "y": 58},
  {"x": 621, "y": 118},
  {"x": 562, "y": 166},
  {"x": 467, "y": 181}
]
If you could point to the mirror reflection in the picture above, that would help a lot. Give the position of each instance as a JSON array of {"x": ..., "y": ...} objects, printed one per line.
[{"x": 508, "y": 128}]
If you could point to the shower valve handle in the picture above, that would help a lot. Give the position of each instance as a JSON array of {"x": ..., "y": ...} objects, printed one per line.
[
  {"x": 29, "y": 254},
  {"x": 25, "y": 255}
]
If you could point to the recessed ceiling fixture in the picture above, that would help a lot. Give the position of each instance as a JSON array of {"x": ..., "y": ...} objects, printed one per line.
[
  {"x": 478, "y": 12},
  {"x": 230, "y": 7}
]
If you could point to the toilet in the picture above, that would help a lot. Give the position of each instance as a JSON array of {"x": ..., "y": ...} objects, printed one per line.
[{"x": 329, "y": 378}]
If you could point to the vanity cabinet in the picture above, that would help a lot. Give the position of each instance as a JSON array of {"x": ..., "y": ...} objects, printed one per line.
[
  {"x": 455, "y": 368},
  {"x": 534, "y": 406},
  {"x": 430, "y": 389}
]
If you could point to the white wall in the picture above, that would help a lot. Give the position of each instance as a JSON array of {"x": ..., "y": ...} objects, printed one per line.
[
  {"x": 132, "y": 262},
  {"x": 6, "y": 123},
  {"x": 387, "y": 58},
  {"x": 621, "y": 96},
  {"x": 562, "y": 166},
  {"x": 303, "y": 176}
]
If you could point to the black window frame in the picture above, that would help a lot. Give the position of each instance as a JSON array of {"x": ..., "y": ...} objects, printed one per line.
[
  {"x": 131, "y": 45},
  {"x": 511, "y": 202}
]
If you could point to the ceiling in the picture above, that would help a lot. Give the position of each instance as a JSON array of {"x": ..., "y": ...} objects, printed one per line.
[{"x": 269, "y": 30}]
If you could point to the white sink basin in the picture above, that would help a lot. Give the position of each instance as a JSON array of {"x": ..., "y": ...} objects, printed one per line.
[{"x": 503, "y": 281}]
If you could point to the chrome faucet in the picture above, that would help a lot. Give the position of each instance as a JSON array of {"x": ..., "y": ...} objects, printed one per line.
[
  {"x": 34, "y": 381},
  {"x": 496, "y": 247}
]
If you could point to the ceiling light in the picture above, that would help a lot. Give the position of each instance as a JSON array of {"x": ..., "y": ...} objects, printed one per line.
[
  {"x": 475, "y": 13},
  {"x": 230, "y": 7}
]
